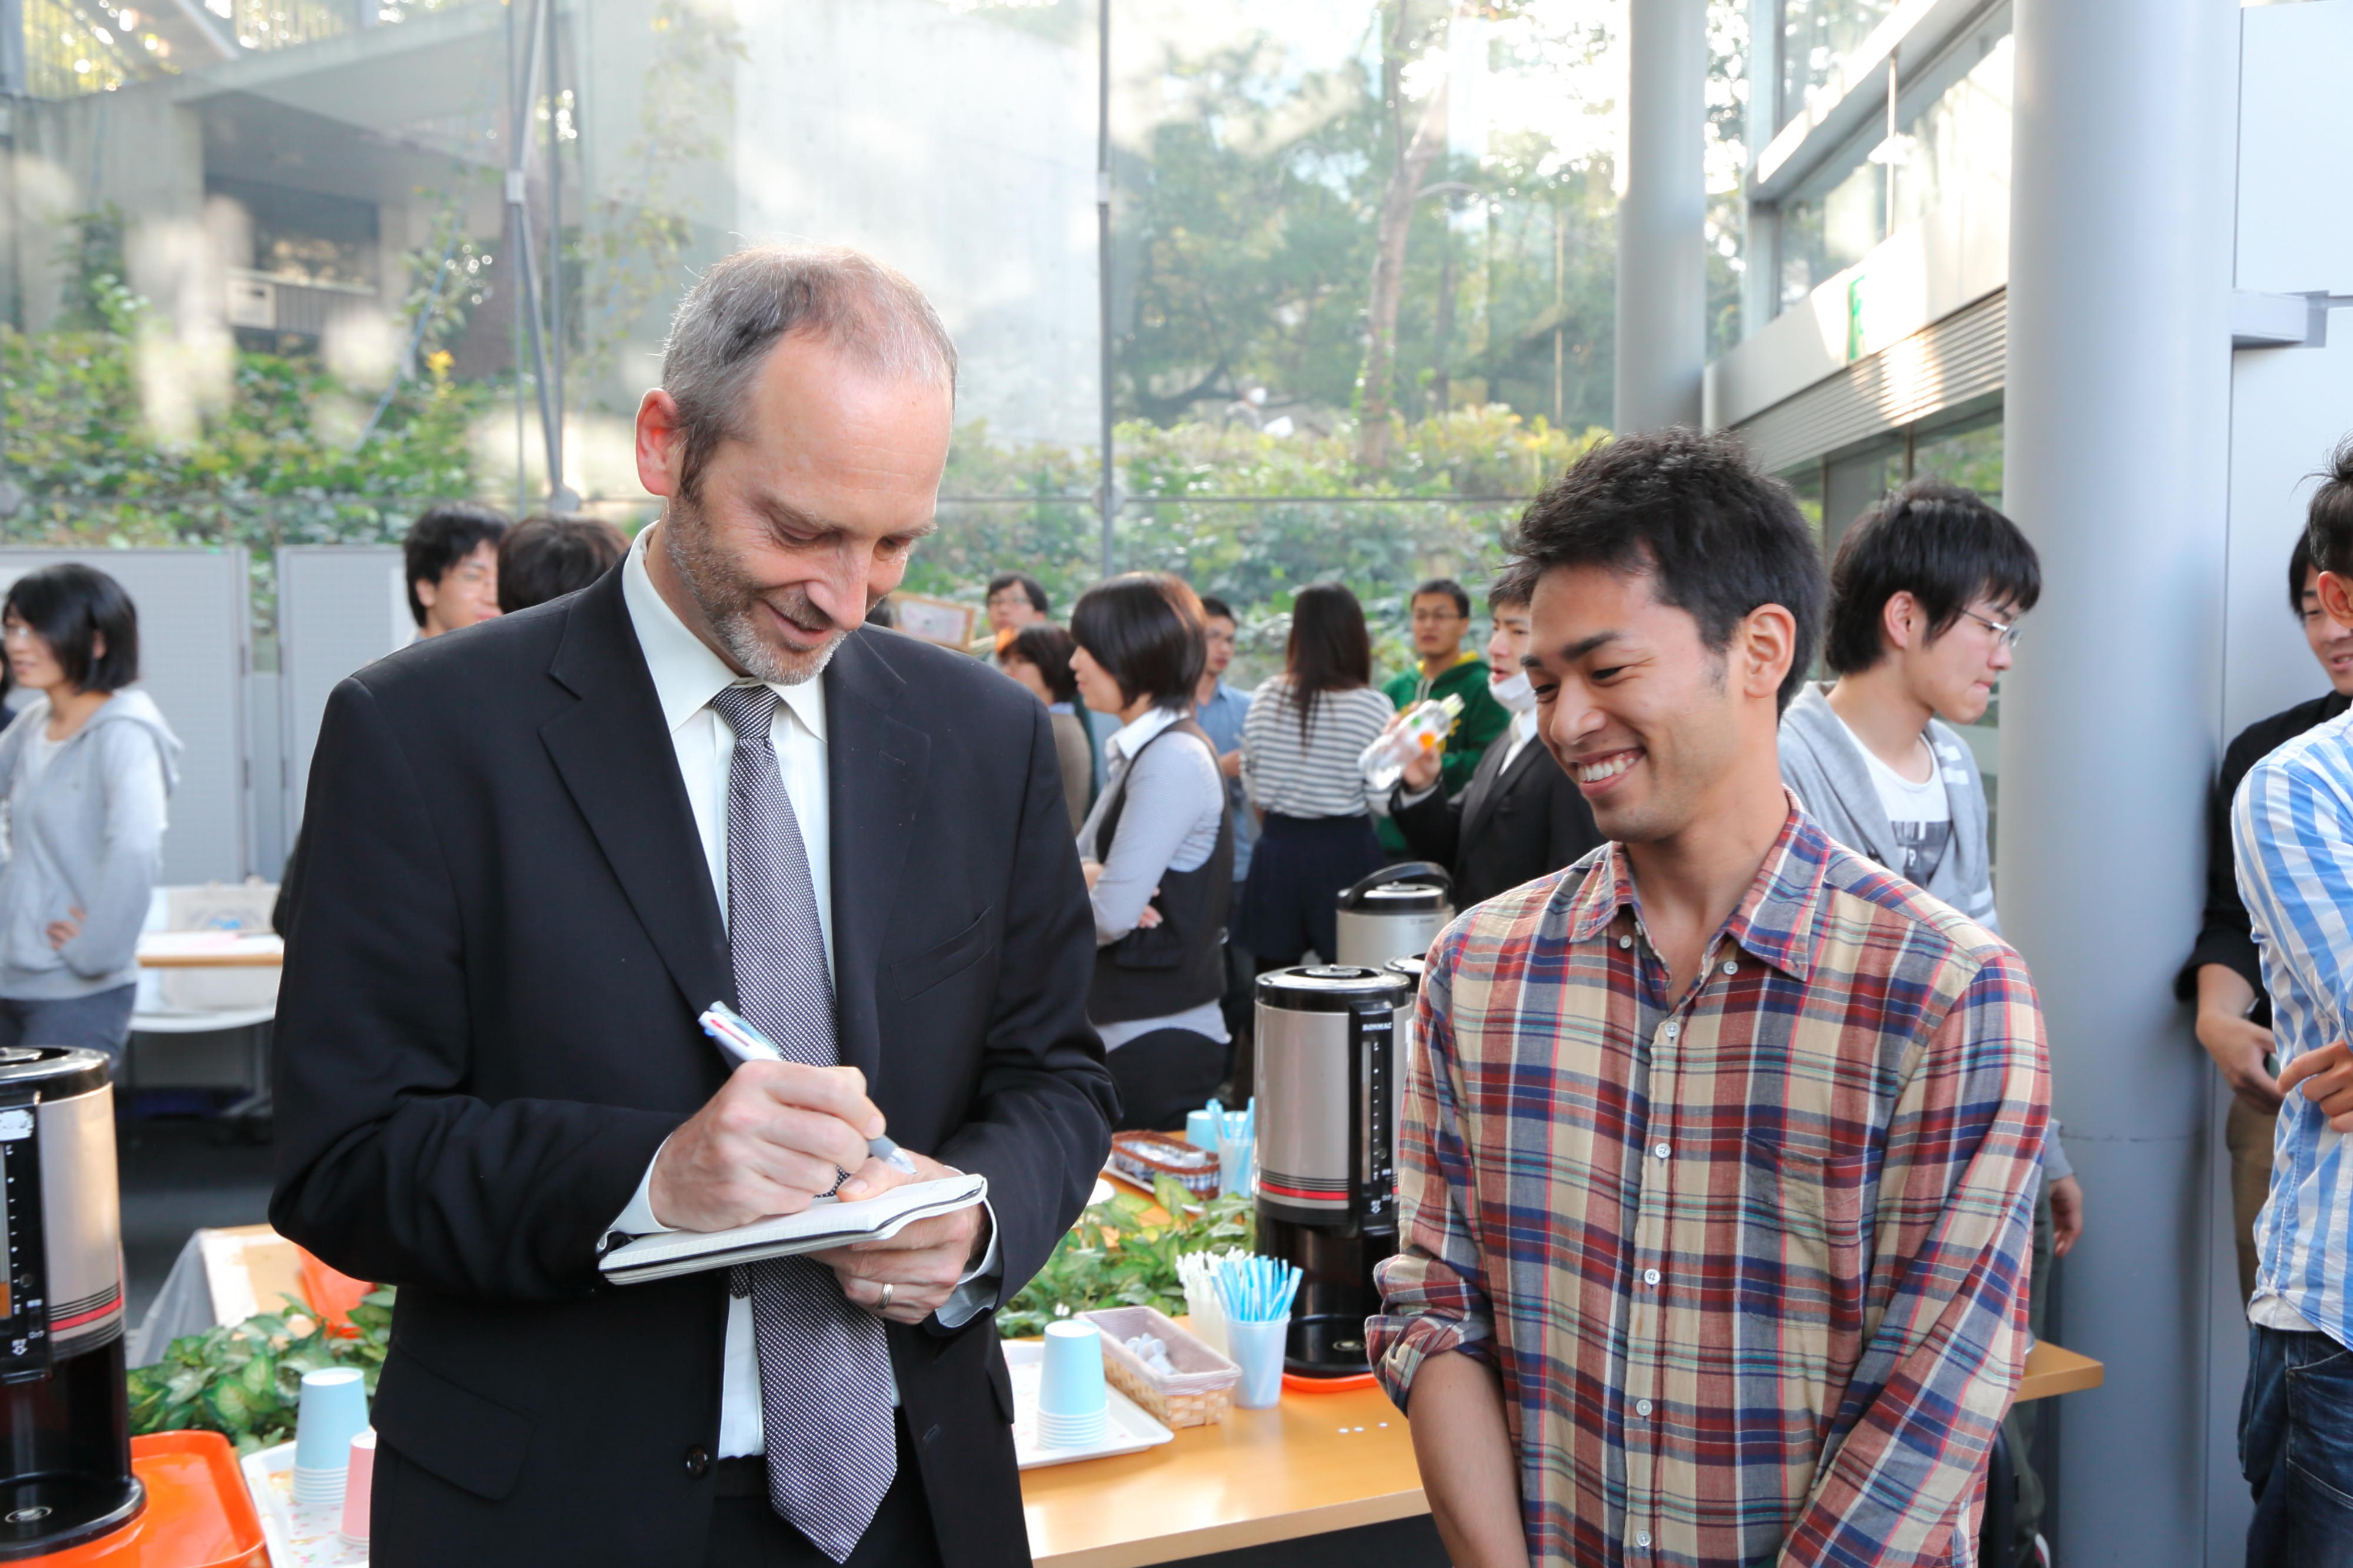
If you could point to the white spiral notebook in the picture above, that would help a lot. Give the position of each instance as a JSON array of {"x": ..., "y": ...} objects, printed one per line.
[{"x": 827, "y": 1223}]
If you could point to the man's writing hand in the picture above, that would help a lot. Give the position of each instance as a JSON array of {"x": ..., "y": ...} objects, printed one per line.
[
  {"x": 768, "y": 1144},
  {"x": 922, "y": 1263},
  {"x": 2326, "y": 1075}
]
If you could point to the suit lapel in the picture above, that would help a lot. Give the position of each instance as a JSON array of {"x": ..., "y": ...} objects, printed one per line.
[
  {"x": 1488, "y": 784},
  {"x": 874, "y": 769},
  {"x": 614, "y": 754}
]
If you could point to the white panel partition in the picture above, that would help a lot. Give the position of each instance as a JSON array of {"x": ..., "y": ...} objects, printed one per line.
[
  {"x": 340, "y": 607},
  {"x": 193, "y": 640}
]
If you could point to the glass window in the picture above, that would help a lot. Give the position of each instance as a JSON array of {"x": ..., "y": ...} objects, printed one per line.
[
  {"x": 1819, "y": 38},
  {"x": 1968, "y": 455}
]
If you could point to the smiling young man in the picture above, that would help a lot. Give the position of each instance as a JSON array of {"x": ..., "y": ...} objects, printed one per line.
[
  {"x": 1717, "y": 1165},
  {"x": 534, "y": 854}
]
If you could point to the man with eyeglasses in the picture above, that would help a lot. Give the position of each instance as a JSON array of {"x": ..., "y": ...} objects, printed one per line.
[
  {"x": 1440, "y": 612},
  {"x": 1925, "y": 594}
]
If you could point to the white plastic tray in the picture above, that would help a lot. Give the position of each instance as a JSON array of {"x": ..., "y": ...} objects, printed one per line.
[
  {"x": 299, "y": 1535},
  {"x": 1126, "y": 1429}
]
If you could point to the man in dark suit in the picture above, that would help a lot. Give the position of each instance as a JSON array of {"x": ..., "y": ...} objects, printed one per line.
[
  {"x": 536, "y": 850},
  {"x": 1520, "y": 818}
]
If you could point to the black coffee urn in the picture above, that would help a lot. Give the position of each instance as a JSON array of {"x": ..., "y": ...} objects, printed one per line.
[
  {"x": 1328, "y": 1075},
  {"x": 65, "y": 1422}
]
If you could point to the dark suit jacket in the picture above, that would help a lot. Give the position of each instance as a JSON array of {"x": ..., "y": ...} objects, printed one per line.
[
  {"x": 1509, "y": 826},
  {"x": 502, "y": 930}
]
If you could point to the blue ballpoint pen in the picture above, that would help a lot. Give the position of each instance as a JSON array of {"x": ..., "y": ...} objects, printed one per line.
[{"x": 742, "y": 1040}]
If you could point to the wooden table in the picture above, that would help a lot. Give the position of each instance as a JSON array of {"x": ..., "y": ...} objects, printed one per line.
[{"x": 1317, "y": 1462}]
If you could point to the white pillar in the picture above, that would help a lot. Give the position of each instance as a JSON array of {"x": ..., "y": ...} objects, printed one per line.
[
  {"x": 1662, "y": 350},
  {"x": 2118, "y": 410}
]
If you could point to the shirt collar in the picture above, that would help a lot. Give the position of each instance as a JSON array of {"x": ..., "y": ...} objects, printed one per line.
[
  {"x": 687, "y": 675},
  {"x": 1131, "y": 736},
  {"x": 1775, "y": 919}
]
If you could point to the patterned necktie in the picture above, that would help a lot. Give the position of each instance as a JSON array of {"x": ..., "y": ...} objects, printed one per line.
[{"x": 825, "y": 1371}]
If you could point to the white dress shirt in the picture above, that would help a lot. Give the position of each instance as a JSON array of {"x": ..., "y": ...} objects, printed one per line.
[{"x": 687, "y": 675}]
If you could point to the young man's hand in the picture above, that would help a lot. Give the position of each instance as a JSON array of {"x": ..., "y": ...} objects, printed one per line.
[
  {"x": 2238, "y": 1047},
  {"x": 2066, "y": 1216},
  {"x": 2327, "y": 1077}
]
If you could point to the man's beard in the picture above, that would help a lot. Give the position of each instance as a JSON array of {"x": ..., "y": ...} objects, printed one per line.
[{"x": 730, "y": 603}]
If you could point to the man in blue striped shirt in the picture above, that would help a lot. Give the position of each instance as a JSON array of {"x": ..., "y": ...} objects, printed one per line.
[{"x": 2292, "y": 826}]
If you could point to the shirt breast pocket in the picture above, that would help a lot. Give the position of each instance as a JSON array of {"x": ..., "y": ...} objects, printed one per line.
[{"x": 1802, "y": 1259}]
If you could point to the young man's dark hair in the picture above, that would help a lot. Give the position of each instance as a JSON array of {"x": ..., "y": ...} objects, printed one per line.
[
  {"x": 1450, "y": 588},
  {"x": 1940, "y": 543},
  {"x": 1032, "y": 589},
  {"x": 2328, "y": 520},
  {"x": 2299, "y": 567},
  {"x": 1684, "y": 507},
  {"x": 444, "y": 535},
  {"x": 1214, "y": 608},
  {"x": 546, "y": 557},
  {"x": 73, "y": 608},
  {"x": 1329, "y": 649},
  {"x": 1144, "y": 629},
  {"x": 1508, "y": 592}
]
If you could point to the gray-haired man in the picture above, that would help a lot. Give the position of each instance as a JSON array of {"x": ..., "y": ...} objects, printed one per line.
[{"x": 532, "y": 854}]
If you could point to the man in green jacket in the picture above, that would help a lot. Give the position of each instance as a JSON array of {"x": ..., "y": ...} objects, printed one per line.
[{"x": 1441, "y": 613}]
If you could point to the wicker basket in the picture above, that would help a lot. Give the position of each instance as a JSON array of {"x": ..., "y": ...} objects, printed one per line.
[{"x": 1201, "y": 1389}]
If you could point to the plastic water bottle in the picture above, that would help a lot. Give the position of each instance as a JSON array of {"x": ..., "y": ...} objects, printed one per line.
[{"x": 1426, "y": 726}]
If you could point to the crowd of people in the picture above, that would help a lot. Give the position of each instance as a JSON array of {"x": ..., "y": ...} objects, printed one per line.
[{"x": 1729, "y": 1182}]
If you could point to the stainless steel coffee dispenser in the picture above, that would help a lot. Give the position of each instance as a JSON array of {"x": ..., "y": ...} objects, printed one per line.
[
  {"x": 1327, "y": 1084},
  {"x": 64, "y": 1469},
  {"x": 1396, "y": 912}
]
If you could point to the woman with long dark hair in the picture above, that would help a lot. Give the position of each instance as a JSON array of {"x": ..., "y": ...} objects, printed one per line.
[
  {"x": 1038, "y": 657},
  {"x": 1157, "y": 850},
  {"x": 1308, "y": 728}
]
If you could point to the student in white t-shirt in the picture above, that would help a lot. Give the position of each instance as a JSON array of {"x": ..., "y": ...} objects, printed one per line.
[{"x": 1925, "y": 595}]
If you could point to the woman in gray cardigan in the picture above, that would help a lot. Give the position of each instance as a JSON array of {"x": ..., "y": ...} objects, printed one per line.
[{"x": 85, "y": 773}]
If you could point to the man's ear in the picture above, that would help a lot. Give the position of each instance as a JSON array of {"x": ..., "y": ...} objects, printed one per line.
[
  {"x": 1895, "y": 618},
  {"x": 2335, "y": 597},
  {"x": 661, "y": 443},
  {"x": 1763, "y": 646}
]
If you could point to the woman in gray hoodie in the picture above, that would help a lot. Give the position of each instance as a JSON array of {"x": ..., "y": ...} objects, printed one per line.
[{"x": 85, "y": 772}]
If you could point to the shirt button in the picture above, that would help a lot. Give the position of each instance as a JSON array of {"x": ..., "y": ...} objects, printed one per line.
[
  {"x": 1673, "y": 1030},
  {"x": 1650, "y": 1276},
  {"x": 1625, "y": 941},
  {"x": 1642, "y": 1407},
  {"x": 1661, "y": 1150},
  {"x": 1730, "y": 967},
  {"x": 697, "y": 1462},
  {"x": 1643, "y": 1538}
]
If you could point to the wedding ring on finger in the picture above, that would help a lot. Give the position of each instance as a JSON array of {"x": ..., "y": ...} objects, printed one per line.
[{"x": 884, "y": 1305}]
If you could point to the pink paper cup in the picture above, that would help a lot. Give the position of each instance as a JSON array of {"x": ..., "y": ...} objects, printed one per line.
[{"x": 358, "y": 1488}]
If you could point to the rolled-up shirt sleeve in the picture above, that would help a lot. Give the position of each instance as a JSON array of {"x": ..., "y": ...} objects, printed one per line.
[{"x": 1434, "y": 1297}]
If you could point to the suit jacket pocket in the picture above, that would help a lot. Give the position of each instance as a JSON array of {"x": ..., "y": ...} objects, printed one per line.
[
  {"x": 448, "y": 1431},
  {"x": 911, "y": 977}
]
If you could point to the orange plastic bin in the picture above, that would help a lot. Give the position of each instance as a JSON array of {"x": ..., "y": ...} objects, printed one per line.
[{"x": 198, "y": 1513}]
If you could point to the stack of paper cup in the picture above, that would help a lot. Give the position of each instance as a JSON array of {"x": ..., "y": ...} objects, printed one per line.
[
  {"x": 333, "y": 1411},
  {"x": 1071, "y": 1399},
  {"x": 360, "y": 1489}
]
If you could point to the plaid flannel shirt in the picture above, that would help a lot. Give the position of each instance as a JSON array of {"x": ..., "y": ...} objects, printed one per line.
[{"x": 1750, "y": 1266}]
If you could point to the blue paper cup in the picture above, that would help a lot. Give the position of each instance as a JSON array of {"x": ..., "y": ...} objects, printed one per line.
[
  {"x": 332, "y": 1410},
  {"x": 1257, "y": 1349},
  {"x": 1070, "y": 1380},
  {"x": 1201, "y": 1129}
]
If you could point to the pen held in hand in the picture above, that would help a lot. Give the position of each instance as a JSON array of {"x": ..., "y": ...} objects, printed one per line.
[{"x": 741, "y": 1041}]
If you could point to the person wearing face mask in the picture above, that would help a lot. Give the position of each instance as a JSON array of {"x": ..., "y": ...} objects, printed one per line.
[
  {"x": 1520, "y": 818},
  {"x": 1925, "y": 595}
]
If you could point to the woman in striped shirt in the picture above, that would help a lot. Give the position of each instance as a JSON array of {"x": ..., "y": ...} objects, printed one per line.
[{"x": 1306, "y": 728}]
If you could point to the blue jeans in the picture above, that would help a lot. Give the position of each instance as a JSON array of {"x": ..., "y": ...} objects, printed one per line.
[
  {"x": 101, "y": 1022},
  {"x": 2296, "y": 1448}
]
